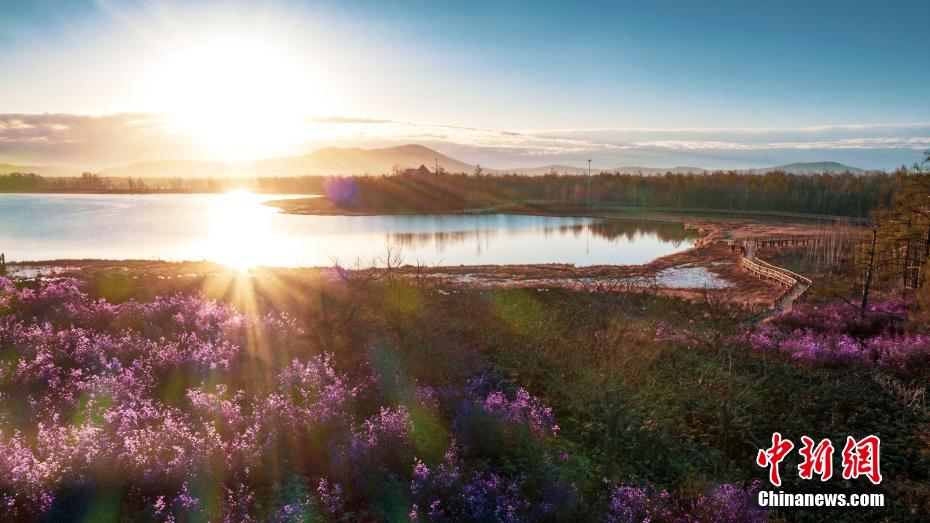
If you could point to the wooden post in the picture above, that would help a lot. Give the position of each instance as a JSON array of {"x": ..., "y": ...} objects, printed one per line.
[{"x": 2, "y": 263}]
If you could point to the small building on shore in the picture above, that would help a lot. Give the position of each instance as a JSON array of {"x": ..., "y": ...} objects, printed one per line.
[{"x": 419, "y": 171}]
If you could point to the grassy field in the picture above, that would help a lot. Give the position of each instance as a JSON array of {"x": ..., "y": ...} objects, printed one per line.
[{"x": 649, "y": 393}]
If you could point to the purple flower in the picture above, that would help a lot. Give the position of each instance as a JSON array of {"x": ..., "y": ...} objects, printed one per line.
[
  {"x": 520, "y": 409},
  {"x": 330, "y": 496}
]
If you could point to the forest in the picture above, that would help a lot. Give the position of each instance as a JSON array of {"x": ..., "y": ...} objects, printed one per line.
[{"x": 830, "y": 194}]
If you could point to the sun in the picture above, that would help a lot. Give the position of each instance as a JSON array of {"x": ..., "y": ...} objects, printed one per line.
[{"x": 241, "y": 97}]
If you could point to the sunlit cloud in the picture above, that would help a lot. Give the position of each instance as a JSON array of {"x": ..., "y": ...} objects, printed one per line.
[
  {"x": 92, "y": 141},
  {"x": 89, "y": 141},
  {"x": 345, "y": 120},
  {"x": 404, "y": 132},
  {"x": 897, "y": 127},
  {"x": 915, "y": 143},
  {"x": 556, "y": 142}
]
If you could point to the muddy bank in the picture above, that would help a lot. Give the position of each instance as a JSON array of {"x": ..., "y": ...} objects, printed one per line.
[
  {"x": 321, "y": 206},
  {"x": 708, "y": 266}
]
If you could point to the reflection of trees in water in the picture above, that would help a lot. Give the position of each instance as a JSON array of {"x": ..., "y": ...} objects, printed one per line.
[
  {"x": 441, "y": 239},
  {"x": 610, "y": 230},
  {"x": 615, "y": 229}
]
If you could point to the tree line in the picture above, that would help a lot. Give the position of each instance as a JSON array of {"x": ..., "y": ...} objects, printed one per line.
[
  {"x": 894, "y": 252},
  {"x": 830, "y": 194},
  {"x": 91, "y": 182}
]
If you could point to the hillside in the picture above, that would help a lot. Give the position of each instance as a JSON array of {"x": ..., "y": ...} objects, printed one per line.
[
  {"x": 658, "y": 170},
  {"x": 793, "y": 168},
  {"x": 811, "y": 168},
  {"x": 353, "y": 161},
  {"x": 327, "y": 161},
  {"x": 568, "y": 169},
  {"x": 43, "y": 170}
]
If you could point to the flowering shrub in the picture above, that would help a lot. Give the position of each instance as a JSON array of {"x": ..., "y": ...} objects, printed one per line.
[
  {"x": 447, "y": 492},
  {"x": 630, "y": 504},
  {"x": 523, "y": 410},
  {"x": 839, "y": 335},
  {"x": 879, "y": 318},
  {"x": 184, "y": 408},
  {"x": 727, "y": 503}
]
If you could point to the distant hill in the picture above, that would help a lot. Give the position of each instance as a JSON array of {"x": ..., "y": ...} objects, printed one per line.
[
  {"x": 334, "y": 161},
  {"x": 43, "y": 170},
  {"x": 328, "y": 161},
  {"x": 658, "y": 170},
  {"x": 812, "y": 168},
  {"x": 567, "y": 169},
  {"x": 793, "y": 168},
  {"x": 546, "y": 169}
]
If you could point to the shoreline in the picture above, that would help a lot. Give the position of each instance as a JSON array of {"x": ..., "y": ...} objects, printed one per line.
[
  {"x": 322, "y": 206},
  {"x": 290, "y": 206},
  {"x": 708, "y": 260}
]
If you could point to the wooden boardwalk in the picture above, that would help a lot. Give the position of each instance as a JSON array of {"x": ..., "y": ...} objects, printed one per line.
[{"x": 793, "y": 283}]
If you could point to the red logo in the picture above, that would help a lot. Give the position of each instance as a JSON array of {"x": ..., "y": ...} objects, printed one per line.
[
  {"x": 817, "y": 460},
  {"x": 860, "y": 458},
  {"x": 772, "y": 456}
]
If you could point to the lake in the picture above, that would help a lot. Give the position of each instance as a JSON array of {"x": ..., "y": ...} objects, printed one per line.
[{"x": 238, "y": 230}]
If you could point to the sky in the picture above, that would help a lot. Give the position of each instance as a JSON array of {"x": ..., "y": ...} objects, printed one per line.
[{"x": 505, "y": 84}]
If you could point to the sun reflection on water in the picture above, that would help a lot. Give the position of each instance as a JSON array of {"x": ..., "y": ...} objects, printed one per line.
[{"x": 240, "y": 230}]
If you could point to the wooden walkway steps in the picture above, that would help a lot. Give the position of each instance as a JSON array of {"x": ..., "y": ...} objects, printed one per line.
[{"x": 794, "y": 284}]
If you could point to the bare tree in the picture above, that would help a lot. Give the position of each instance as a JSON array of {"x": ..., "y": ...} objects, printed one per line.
[
  {"x": 870, "y": 269},
  {"x": 391, "y": 261}
]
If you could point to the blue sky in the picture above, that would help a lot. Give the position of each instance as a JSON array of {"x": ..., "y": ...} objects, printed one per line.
[{"x": 721, "y": 84}]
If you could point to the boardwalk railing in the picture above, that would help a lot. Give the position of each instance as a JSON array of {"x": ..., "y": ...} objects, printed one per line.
[
  {"x": 795, "y": 277},
  {"x": 779, "y": 240},
  {"x": 765, "y": 270},
  {"x": 790, "y": 280}
]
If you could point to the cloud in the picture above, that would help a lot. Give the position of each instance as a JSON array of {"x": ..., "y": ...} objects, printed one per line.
[
  {"x": 909, "y": 136},
  {"x": 88, "y": 141},
  {"x": 345, "y": 120},
  {"x": 518, "y": 143},
  {"x": 913, "y": 136},
  {"x": 92, "y": 142},
  {"x": 868, "y": 145},
  {"x": 916, "y": 143},
  {"x": 867, "y": 127}
]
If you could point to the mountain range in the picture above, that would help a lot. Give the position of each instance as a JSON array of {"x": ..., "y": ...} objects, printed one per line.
[
  {"x": 568, "y": 169},
  {"x": 44, "y": 170},
  {"x": 334, "y": 161},
  {"x": 812, "y": 168}
]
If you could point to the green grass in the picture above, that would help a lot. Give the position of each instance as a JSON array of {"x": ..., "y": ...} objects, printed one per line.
[{"x": 631, "y": 407}]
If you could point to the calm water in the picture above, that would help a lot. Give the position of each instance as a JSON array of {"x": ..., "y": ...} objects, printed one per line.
[{"x": 236, "y": 229}]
